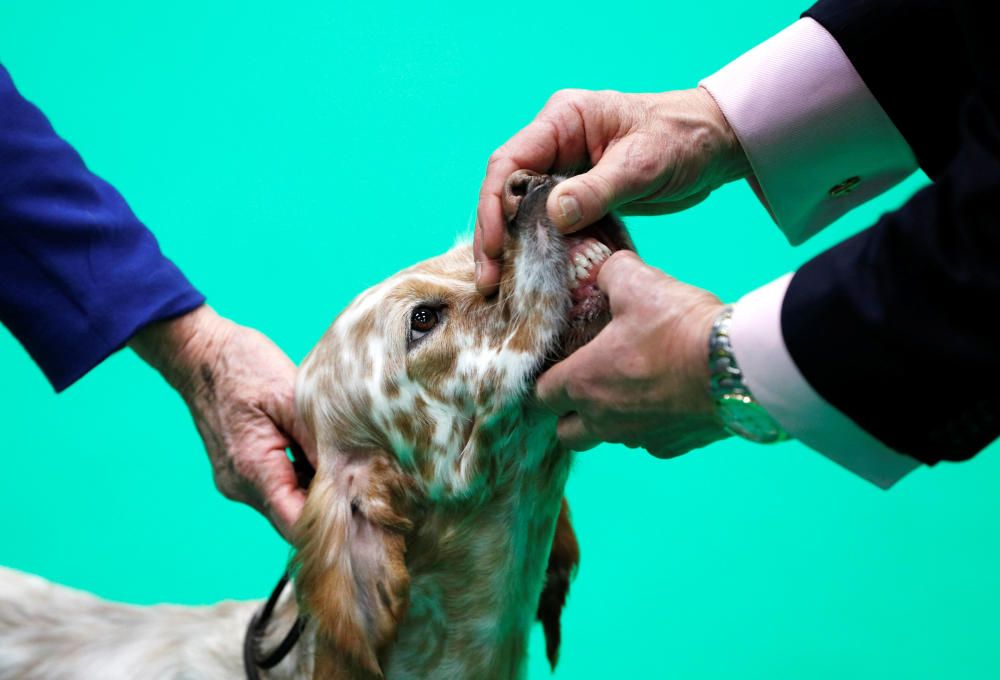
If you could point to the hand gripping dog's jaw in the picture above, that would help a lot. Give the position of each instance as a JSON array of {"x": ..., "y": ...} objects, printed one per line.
[{"x": 587, "y": 311}]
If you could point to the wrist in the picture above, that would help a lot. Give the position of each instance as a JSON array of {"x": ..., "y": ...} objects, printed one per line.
[
  {"x": 181, "y": 348},
  {"x": 699, "y": 324},
  {"x": 731, "y": 160},
  {"x": 735, "y": 406}
]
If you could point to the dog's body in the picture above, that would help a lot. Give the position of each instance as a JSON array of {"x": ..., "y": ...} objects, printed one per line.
[
  {"x": 50, "y": 632},
  {"x": 427, "y": 537}
]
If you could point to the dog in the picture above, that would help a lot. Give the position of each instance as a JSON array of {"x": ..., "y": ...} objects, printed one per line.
[{"x": 435, "y": 529}]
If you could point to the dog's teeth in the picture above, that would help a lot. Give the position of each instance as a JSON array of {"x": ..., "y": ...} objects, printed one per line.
[
  {"x": 604, "y": 248},
  {"x": 582, "y": 273},
  {"x": 580, "y": 261},
  {"x": 594, "y": 253}
]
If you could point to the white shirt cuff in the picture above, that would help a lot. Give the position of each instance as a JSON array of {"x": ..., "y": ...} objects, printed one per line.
[
  {"x": 776, "y": 383},
  {"x": 817, "y": 140}
]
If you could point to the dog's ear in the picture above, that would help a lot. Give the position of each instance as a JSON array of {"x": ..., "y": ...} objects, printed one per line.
[
  {"x": 563, "y": 560},
  {"x": 351, "y": 564}
]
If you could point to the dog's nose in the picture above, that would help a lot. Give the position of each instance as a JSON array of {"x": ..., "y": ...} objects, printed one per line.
[{"x": 519, "y": 185}]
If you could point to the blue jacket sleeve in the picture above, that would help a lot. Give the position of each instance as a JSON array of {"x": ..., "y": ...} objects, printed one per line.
[{"x": 79, "y": 273}]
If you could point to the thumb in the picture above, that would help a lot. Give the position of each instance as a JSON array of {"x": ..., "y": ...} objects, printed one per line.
[
  {"x": 619, "y": 277},
  {"x": 281, "y": 410},
  {"x": 583, "y": 199}
]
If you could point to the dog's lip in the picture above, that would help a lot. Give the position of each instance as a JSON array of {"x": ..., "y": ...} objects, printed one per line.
[{"x": 599, "y": 231}]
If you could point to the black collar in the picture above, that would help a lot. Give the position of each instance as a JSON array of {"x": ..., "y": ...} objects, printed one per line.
[{"x": 253, "y": 658}]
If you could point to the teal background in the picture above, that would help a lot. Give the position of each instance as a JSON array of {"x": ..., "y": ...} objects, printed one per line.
[{"x": 288, "y": 155}]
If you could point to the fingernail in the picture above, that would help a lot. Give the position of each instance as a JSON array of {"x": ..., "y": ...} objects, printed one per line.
[{"x": 570, "y": 208}]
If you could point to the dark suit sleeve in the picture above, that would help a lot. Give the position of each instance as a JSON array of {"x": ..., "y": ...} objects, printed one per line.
[
  {"x": 79, "y": 274},
  {"x": 895, "y": 327},
  {"x": 913, "y": 56}
]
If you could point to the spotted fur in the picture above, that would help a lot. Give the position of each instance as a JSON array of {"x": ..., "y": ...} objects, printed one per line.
[{"x": 453, "y": 416}]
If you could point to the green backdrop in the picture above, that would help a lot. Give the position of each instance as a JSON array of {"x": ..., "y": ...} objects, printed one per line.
[{"x": 288, "y": 155}]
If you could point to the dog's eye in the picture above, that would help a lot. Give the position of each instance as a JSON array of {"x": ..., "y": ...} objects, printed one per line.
[{"x": 422, "y": 321}]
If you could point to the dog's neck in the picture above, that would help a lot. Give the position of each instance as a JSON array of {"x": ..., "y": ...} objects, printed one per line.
[{"x": 477, "y": 569}]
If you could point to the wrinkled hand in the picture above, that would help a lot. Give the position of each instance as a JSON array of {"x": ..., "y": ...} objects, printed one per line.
[
  {"x": 239, "y": 388},
  {"x": 643, "y": 381},
  {"x": 648, "y": 154}
]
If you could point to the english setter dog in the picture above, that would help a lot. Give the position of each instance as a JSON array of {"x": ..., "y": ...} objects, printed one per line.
[{"x": 435, "y": 529}]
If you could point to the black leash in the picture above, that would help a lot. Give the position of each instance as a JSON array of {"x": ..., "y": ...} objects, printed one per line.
[{"x": 253, "y": 658}]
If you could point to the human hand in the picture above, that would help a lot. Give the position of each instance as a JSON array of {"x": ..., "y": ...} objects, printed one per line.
[
  {"x": 643, "y": 381},
  {"x": 648, "y": 154},
  {"x": 239, "y": 387}
]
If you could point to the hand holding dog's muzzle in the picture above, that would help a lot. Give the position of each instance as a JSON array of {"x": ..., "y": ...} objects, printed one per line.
[
  {"x": 644, "y": 154},
  {"x": 643, "y": 381}
]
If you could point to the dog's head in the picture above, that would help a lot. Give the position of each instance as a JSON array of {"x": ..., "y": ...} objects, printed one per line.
[{"x": 413, "y": 395}]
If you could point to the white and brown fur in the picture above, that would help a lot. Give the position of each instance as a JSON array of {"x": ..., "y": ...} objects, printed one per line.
[{"x": 435, "y": 530}]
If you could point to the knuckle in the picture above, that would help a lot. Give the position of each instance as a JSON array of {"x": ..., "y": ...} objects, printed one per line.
[
  {"x": 498, "y": 155},
  {"x": 227, "y": 488},
  {"x": 644, "y": 162},
  {"x": 574, "y": 103},
  {"x": 565, "y": 95},
  {"x": 611, "y": 100},
  {"x": 634, "y": 366},
  {"x": 241, "y": 471},
  {"x": 577, "y": 391},
  {"x": 630, "y": 441}
]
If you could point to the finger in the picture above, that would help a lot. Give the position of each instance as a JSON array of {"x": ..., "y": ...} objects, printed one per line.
[
  {"x": 283, "y": 499},
  {"x": 645, "y": 208},
  {"x": 490, "y": 223},
  {"x": 556, "y": 138},
  {"x": 533, "y": 148},
  {"x": 582, "y": 200},
  {"x": 574, "y": 434},
  {"x": 621, "y": 265},
  {"x": 487, "y": 244},
  {"x": 488, "y": 277},
  {"x": 666, "y": 452},
  {"x": 554, "y": 386},
  {"x": 617, "y": 279},
  {"x": 487, "y": 269},
  {"x": 550, "y": 390},
  {"x": 281, "y": 410}
]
